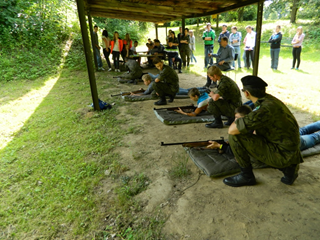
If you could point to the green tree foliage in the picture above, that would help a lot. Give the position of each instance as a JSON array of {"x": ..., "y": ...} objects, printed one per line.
[{"x": 137, "y": 30}]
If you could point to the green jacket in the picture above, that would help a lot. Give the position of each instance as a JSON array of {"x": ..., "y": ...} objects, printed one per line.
[
  {"x": 170, "y": 77},
  {"x": 273, "y": 121},
  {"x": 229, "y": 91},
  {"x": 209, "y": 34}
]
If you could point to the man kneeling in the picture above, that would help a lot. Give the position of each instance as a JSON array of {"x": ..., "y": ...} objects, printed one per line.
[
  {"x": 224, "y": 100},
  {"x": 166, "y": 84},
  {"x": 276, "y": 140}
]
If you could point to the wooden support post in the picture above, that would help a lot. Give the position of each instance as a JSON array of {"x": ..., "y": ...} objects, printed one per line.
[
  {"x": 88, "y": 54},
  {"x": 217, "y": 21},
  {"x": 258, "y": 39},
  {"x": 156, "y": 26},
  {"x": 166, "y": 31},
  {"x": 91, "y": 32},
  {"x": 183, "y": 25}
]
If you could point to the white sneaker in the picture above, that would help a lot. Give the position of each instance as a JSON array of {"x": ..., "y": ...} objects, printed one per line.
[
  {"x": 102, "y": 69},
  {"x": 110, "y": 69},
  {"x": 119, "y": 70}
]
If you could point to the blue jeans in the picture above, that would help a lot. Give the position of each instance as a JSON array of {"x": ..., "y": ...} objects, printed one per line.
[
  {"x": 183, "y": 91},
  {"x": 208, "y": 60},
  {"x": 193, "y": 57},
  {"x": 274, "y": 57},
  {"x": 237, "y": 50},
  {"x": 97, "y": 54},
  {"x": 177, "y": 60},
  {"x": 309, "y": 135}
]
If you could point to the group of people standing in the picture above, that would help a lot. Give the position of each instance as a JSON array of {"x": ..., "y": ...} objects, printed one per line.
[
  {"x": 234, "y": 40},
  {"x": 115, "y": 46}
]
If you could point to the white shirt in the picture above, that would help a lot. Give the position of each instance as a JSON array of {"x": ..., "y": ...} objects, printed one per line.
[
  {"x": 103, "y": 43},
  {"x": 116, "y": 46},
  {"x": 203, "y": 103},
  {"x": 250, "y": 40}
]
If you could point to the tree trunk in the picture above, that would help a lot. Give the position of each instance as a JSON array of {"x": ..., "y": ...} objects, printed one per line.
[
  {"x": 240, "y": 14},
  {"x": 294, "y": 10}
]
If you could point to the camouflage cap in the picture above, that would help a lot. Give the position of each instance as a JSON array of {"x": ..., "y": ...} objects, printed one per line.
[{"x": 253, "y": 81}]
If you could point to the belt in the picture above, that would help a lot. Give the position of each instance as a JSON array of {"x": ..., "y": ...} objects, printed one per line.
[{"x": 296, "y": 46}]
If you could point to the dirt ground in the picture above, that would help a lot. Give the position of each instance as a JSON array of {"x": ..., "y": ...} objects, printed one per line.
[{"x": 211, "y": 210}]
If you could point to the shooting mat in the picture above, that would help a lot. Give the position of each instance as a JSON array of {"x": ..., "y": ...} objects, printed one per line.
[
  {"x": 129, "y": 98},
  {"x": 214, "y": 164},
  {"x": 170, "y": 117}
]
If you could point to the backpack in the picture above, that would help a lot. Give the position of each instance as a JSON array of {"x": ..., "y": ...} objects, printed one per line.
[{"x": 103, "y": 105}]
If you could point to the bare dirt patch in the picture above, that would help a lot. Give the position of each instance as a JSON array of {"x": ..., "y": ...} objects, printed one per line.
[{"x": 209, "y": 209}]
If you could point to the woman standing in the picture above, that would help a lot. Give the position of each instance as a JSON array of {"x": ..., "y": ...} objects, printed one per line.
[
  {"x": 106, "y": 47},
  {"x": 116, "y": 48},
  {"x": 192, "y": 46},
  {"x": 296, "y": 50},
  {"x": 127, "y": 44},
  {"x": 184, "y": 47},
  {"x": 275, "y": 42}
]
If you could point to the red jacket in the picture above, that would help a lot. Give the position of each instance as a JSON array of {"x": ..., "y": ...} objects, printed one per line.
[
  {"x": 120, "y": 45},
  {"x": 125, "y": 43}
]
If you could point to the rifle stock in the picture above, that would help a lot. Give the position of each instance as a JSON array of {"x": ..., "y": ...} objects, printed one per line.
[
  {"x": 127, "y": 93},
  {"x": 194, "y": 144}
]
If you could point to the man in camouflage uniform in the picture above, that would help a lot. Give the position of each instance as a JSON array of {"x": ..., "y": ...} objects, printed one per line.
[
  {"x": 224, "y": 100},
  {"x": 166, "y": 84},
  {"x": 275, "y": 140},
  {"x": 135, "y": 72}
]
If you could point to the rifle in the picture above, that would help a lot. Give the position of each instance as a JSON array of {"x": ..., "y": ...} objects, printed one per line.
[
  {"x": 127, "y": 93},
  {"x": 177, "y": 108},
  {"x": 195, "y": 144}
]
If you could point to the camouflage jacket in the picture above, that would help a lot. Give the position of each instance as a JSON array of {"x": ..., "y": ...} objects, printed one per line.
[
  {"x": 273, "y": 121},
  {"x": 170, "y": 77},
  {"x": 229, "y": 91}
]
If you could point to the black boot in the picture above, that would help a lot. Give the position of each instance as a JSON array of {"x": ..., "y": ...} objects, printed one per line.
[
  {"x": 230, "y": 121},
  {"x": 290, "y": 174},
  {"x": 217, "y": 123},
  {"x": 245, "y": 178},
  {"x": 162, "y": 101},
  {"x": 171, "y": 98}
]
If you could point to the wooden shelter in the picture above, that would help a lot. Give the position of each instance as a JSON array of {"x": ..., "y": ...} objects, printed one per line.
[{"x": 156, "y": 11}]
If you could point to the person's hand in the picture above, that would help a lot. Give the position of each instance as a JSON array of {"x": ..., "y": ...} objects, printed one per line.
[
  {"x": 211, "y": 94},
  {"x": 157, "y": 94},
  {"x": 157, "y": 80},
  {"x": 213, "y": 145},
  {"x": 234, "y": 40},
  {"x": 141, "y": 89},
  {"x": 179, "y": 111},
  {"x": 173, "y": 59},
  {"x": 221, "y": 63}
]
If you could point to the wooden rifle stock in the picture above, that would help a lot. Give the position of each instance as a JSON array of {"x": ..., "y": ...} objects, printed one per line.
[
  {"x": 195, "y": 144},
  {"x": 127, "y": 93}
]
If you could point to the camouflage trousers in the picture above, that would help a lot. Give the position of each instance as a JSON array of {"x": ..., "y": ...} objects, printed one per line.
[
  {"x": 221, "y": 107},
  {"x": 245, "y": 145},
  {"x": 164, "y": 89}
]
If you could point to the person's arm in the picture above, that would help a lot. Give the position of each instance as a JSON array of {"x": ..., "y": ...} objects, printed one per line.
[
  {"x": 219, "y": 39},
  {"x": 214, "y": 96},
  {"x": 230, "y": 57},
  {"x": 193, "y": 114},
  {"x": 233, "y": 130}
]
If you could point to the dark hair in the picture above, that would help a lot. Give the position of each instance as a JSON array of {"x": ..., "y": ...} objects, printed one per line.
[
  {"x": 114, "y": 36},
  {"x": 234, "y": 27},
  {"x": 279, "y": 26},
  {"x": 255, "y": 92},
  {"x": 224, "y": 25},
  {"x": 187, "y": 29},
  {"x": 243, "y": 110},
  {"x": 156, "y": 60},
  {"x": 105, "y": 33},
  {"x": 135, "y": 41},
  {"x": 194, "y": 92},
  {"x": 225, "y": 39},
  {"x": 95, "y": 26},
  {"x": 156, "y": 41}
]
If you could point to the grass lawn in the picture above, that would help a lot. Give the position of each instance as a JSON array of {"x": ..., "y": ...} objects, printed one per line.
[{"x": 54, "y": 150}]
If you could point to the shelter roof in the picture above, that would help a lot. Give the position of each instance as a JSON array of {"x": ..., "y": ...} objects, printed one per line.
[{"x": 161, "y": 11}]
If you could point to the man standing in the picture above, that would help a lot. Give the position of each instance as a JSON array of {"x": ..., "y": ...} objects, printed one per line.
[
  {"x": 235, "y": 40},
  {"x": 167, "y": 83},
  {"x": 224, "y": 33},
  {"x": 97, "y": 47},
  {"x": 249, "y": 42},
  {"x": 270, "y": 134},
  {"x": 208, "y": 37},
  {"x": 275, "y": 42},
  {"x": 224, "y": 100}
]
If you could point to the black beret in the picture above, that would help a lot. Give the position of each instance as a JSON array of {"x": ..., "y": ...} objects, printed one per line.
[{"x": 253, "y": 81}]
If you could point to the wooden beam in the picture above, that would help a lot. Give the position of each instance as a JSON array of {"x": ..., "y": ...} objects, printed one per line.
[
  {"x": 127, "y": 17},
  {"x": 258, "y": 39},
  {"x": 88, "y": 54},
  {"x": 156, "y": 27}
]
